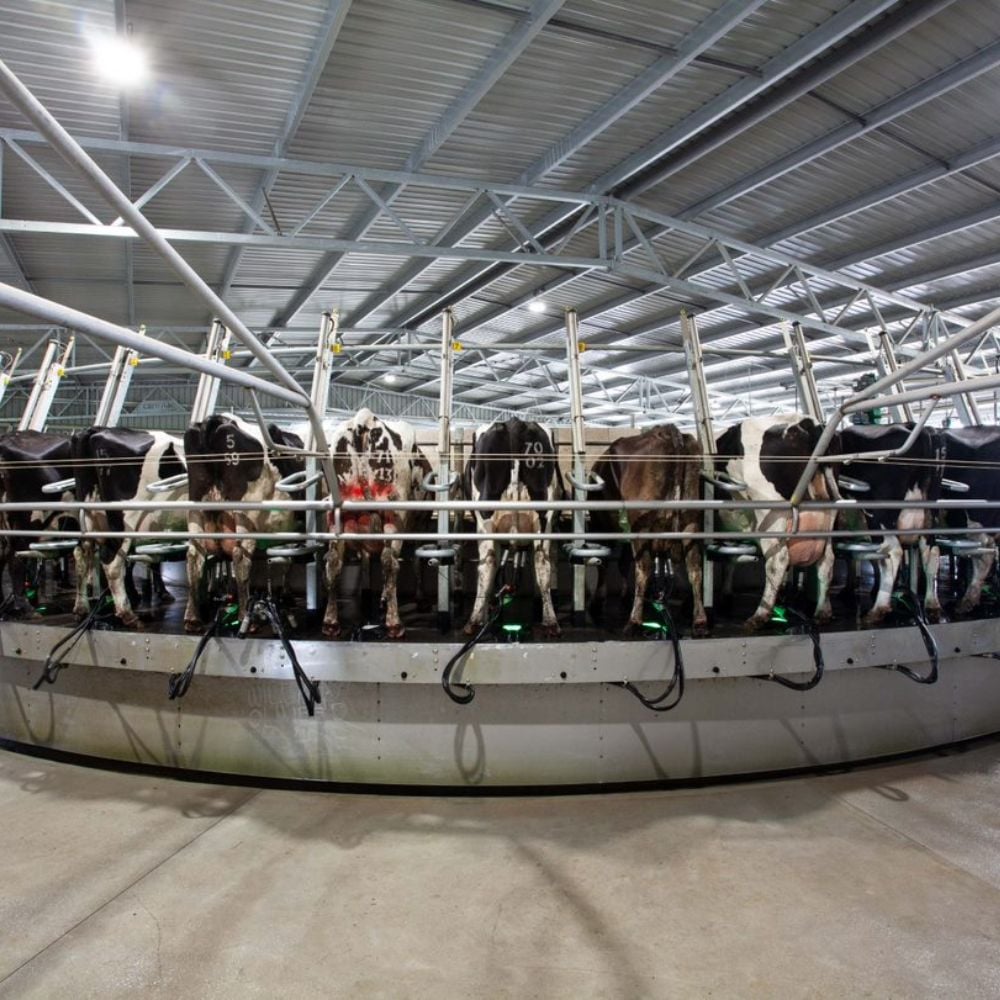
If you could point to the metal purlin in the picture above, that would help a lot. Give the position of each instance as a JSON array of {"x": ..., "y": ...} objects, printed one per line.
[{"x": 45, "y": 387}]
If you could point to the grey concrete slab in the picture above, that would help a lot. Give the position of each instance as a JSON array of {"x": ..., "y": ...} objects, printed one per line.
[
  {"x": 72, "y": 838},
  {"x": 951, "y": 808},
  {"x": 773, "y": 889}
]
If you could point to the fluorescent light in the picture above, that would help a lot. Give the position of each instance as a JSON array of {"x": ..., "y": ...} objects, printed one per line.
[
  {"x": 537, "y": 306},
  {"x": 391, "y": 378},
  {"x": 118, "y": 61}
]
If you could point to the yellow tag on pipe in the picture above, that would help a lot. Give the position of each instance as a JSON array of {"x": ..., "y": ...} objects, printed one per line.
[
  {"x": 582, "y": 345},
  {"x": 456, "y": 345}
]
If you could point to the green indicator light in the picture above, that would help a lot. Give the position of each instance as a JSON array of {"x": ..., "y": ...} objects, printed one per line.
[
  {"x": 655, "y": 626},
  {"x": 508, "y": 599},
  {"x": 779, "y": 615},
  {"x": 658, "y": 605},
  {"x": 512, "y": 628}
]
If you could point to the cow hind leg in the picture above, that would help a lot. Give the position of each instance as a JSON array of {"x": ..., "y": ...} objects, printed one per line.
[
  {"x": 332, "y": 569},
  {"x": 484, "y": 585},
  {"x": 694, "y": 565},
  {"x": 116, "y": 572},
  {"x": 195, "y": 575},
  {"x": 643, "y": 567},
  {"x": 242, "y": 565},
  {"x": 888, "y": 570},
  {"x": 83, "y": 561},
  {"x": 930, "y": 560},
  {"x": 982, "y": 566},
  {"x": 543, "y": 577},
  {"x": 824, "y": 577},
  {"x": 775, "y": 567},
  {"x": 390, "y": 573}
]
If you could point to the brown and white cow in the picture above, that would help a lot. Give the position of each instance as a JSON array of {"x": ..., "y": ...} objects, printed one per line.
[
  {"x": 660, "y": 464},
  {"x": 768, "y": 455},
  {"x": 374, "y": 460},
  {"x": 513, "y": 460},
  {"x": 228, "y": 460}
]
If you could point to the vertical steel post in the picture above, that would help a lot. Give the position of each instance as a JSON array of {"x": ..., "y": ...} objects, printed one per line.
[
  {"x": 207, "y": 393},
  {"x": 802, "y": 369},
  {"x": 109, "y": 409},
  {"x": 954, "y": 369},
  {"x": 43, "y": 392},
  {"x": 704, "y": 432},
  {"x": 444, "y": 469},
  {"x": 579, "y": 460},
  {"x": 326, "y": 347},
  {"x": 887, "y": 366},
  {"x": 36, "y": 387}
]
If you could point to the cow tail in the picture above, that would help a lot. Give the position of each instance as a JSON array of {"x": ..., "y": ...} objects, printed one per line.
[{"x": 83, "y": 463}]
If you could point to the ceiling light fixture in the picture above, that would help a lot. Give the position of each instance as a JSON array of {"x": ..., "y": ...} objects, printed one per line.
[
  {"x": 537, "y": 306},
  {"x": 118, "y": 61},
  {"x": 391, "y": 378}
]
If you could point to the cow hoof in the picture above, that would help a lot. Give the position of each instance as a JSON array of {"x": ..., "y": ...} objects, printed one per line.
[
  {"x": 395, "y": 631},
  {"x": 632, "y": 629},
  {"x": 755, "y": 624},
  {"x": 823, "y": 618},
  {"x": 331, "y": 630},
  {"x": 551, "y": 630},
  {"x": 471, "y": 627},
  {"x": 166, "y": 597},
  {"x": 872, "y": 620},
  {"x": 131, "y": 621},
  {"x": 964, "y": 607},
  {"x": 193, "y": 627},
  {"x": 699, "y": 628},
  {"x": 933, "y": 614}
]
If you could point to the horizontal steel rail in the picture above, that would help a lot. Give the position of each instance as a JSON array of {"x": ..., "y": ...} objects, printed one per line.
[{"x": 430, "y": 506}]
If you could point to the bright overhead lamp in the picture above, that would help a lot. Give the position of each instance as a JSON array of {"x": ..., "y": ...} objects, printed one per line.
[
  {"x": 537, "y": 306},
  {"x": 391, "y": 378},
  {"x": 118, "y": 61}
]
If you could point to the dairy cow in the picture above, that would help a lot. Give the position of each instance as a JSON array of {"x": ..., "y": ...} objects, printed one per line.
[
  {"x": 915, "y": 475},
  {"x": 660, "y": 464},
  {"x": 228, "y": 460},
  {"x": 115, "y": 464},
  {"x": 513, "y": 460},
  {"x": 30, "y": 460},
  {"x": 973, "y": 458},
  {"x": 374, "y": 459},
  {"x": 768, "y": 455}
]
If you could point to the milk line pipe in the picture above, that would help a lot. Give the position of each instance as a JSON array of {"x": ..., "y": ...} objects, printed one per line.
[
  {"x": 879, "y": 386},
  {"x": 74, "y": 154},
  {"x": 471, "y": 536},
  {"x": 364, "y": 506}
]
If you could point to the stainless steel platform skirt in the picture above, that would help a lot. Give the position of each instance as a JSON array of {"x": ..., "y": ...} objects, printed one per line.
[{"x": 544, "y": 713}]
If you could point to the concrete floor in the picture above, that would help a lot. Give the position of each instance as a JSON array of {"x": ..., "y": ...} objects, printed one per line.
[{"x": 884, "y": 882}]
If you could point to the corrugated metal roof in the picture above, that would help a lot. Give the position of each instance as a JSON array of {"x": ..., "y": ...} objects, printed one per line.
[{"x": 228, "y": 77}]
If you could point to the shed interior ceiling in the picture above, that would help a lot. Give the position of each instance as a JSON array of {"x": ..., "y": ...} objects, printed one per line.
[{"x": 856, "y": 136}]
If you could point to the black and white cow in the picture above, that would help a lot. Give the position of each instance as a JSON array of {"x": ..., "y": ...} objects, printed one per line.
[
  {"x": 915, "y": 475},
  {"x": 660, "y": 464},
  {"x": 374, "y": 460},
  {"x": 30, "y": 460},
  {"x": 768, "y": 455},
  {"x": 973, "y": 458},
  {"x": 513, "y": 460},
  {"x": 115, "y": 464},
  {"x": 227, "y": 459}
]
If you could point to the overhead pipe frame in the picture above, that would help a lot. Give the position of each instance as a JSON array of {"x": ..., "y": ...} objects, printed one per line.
[
  {"x": 74, "y": 154},
  {"x": 870, "y": 395}
]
